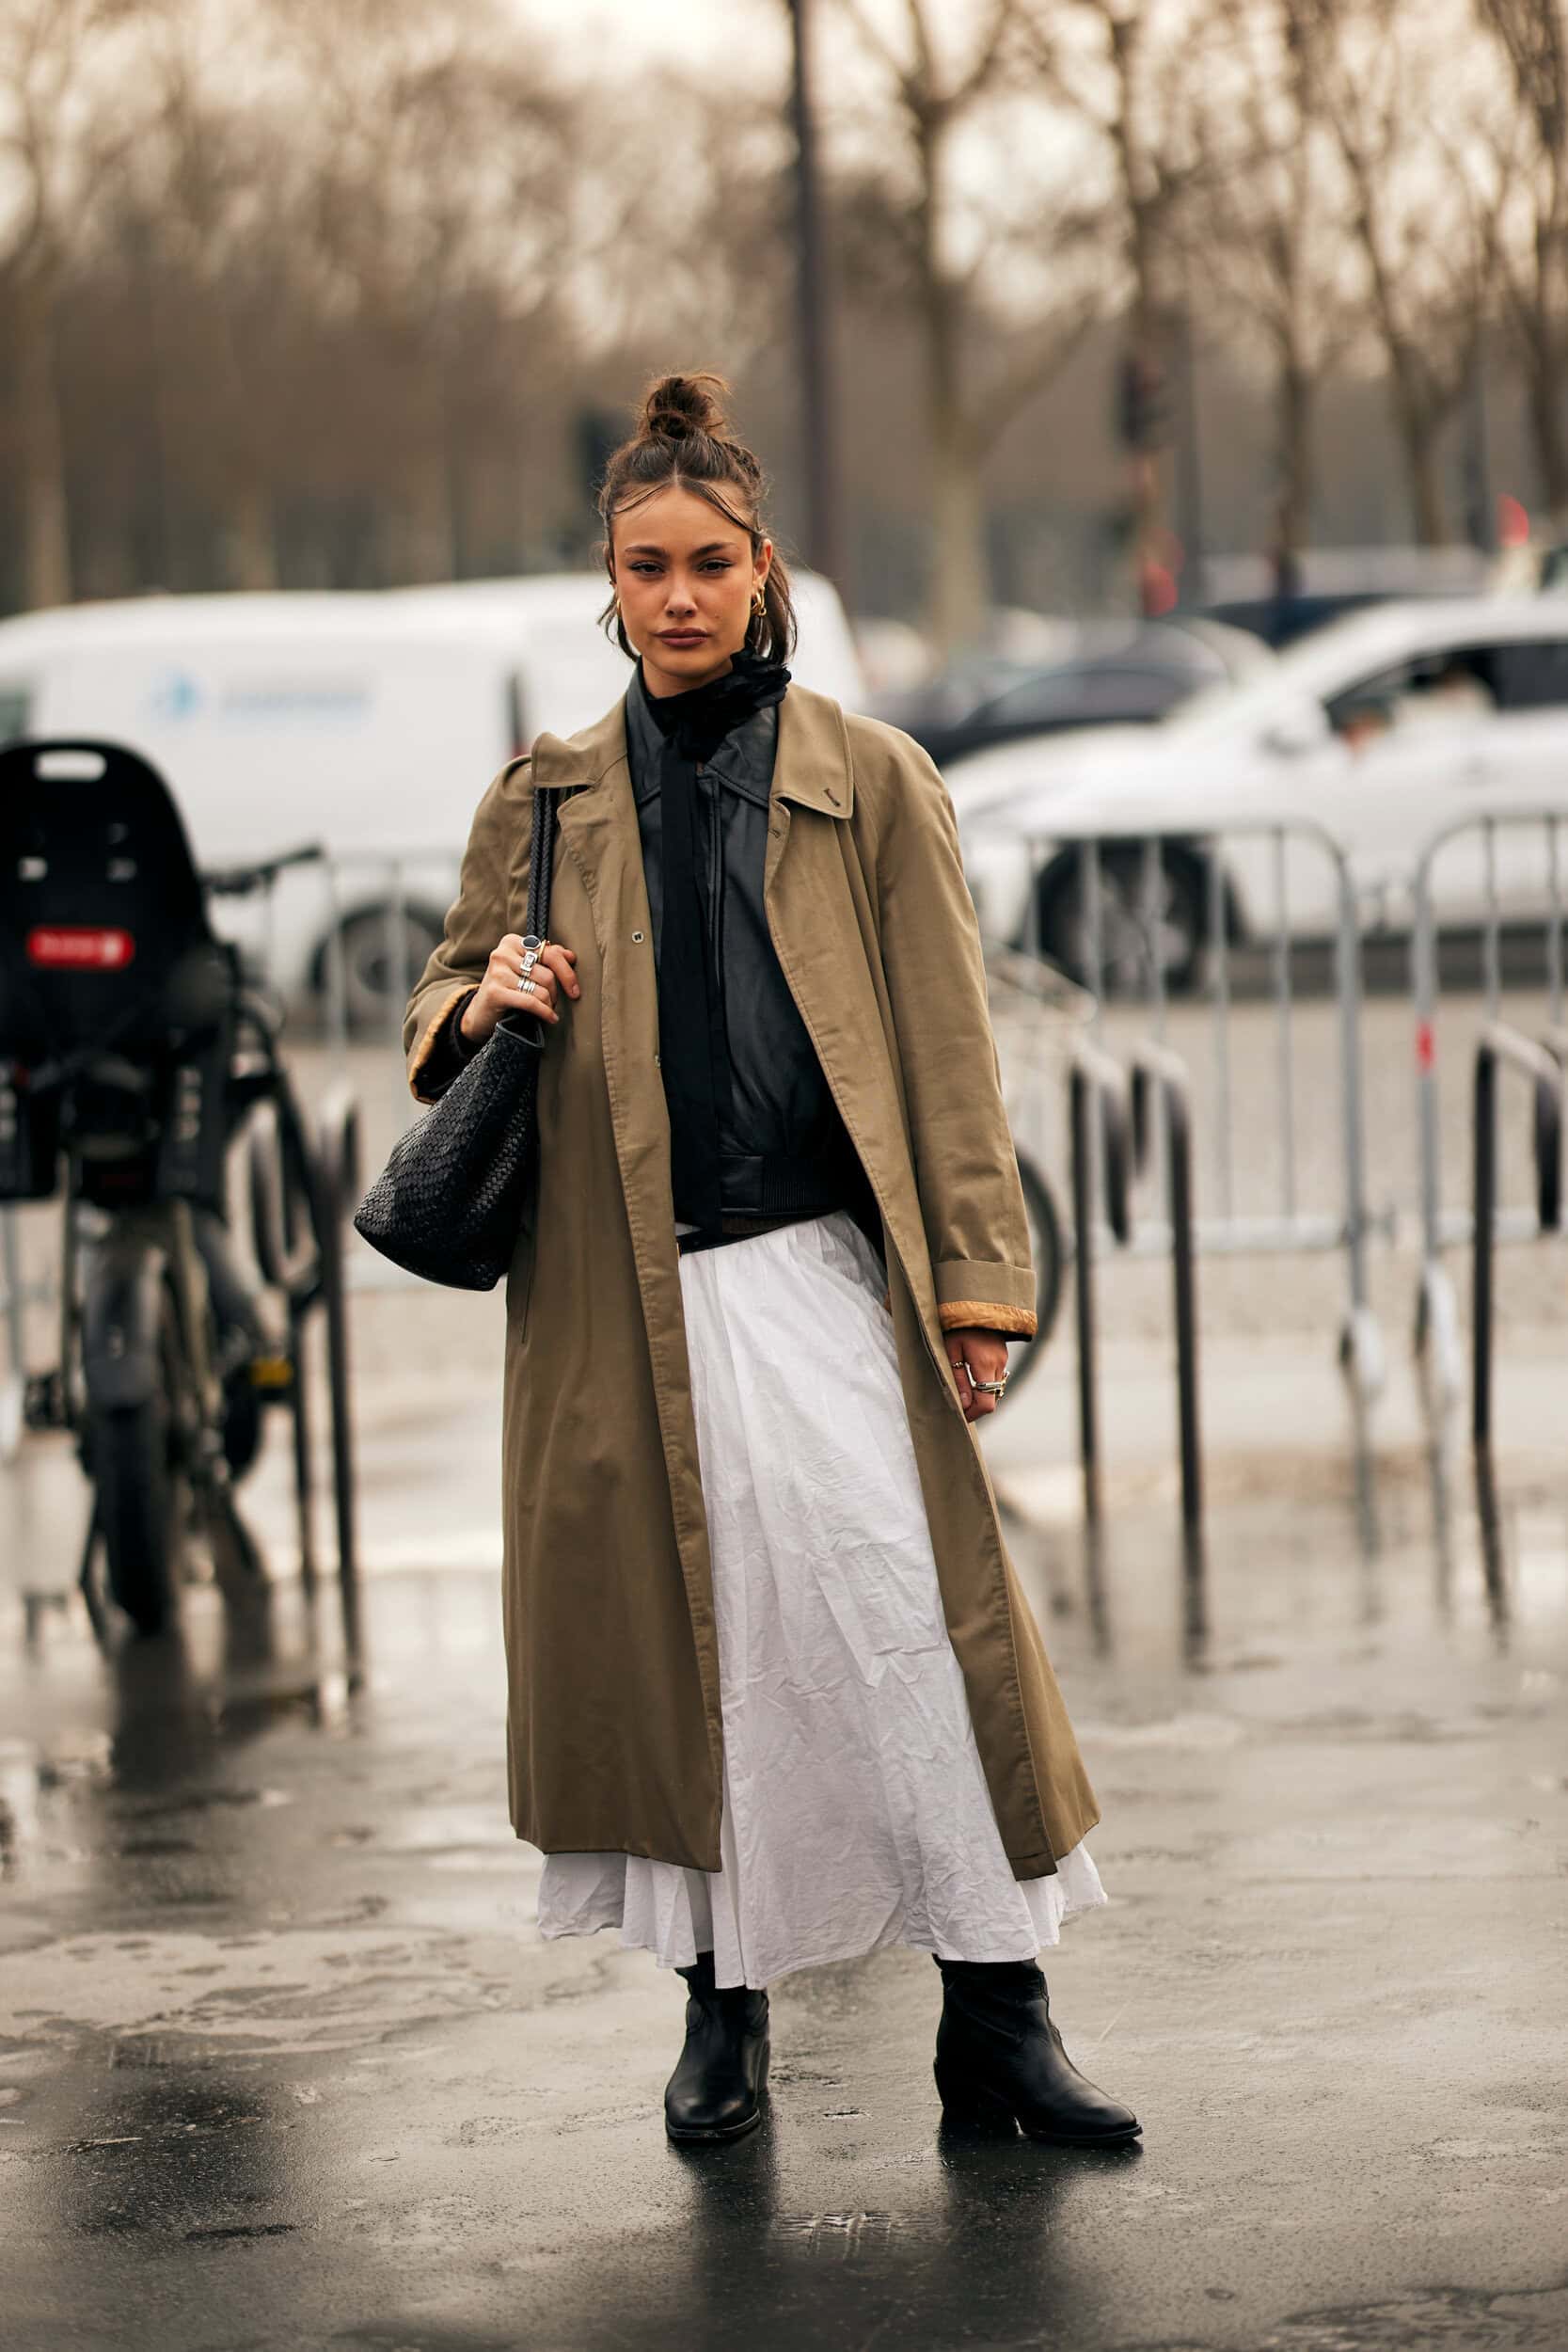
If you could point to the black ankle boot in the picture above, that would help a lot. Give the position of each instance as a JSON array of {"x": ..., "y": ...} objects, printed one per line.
[
  {"x": 715, "y": 2092},
  {"x": 1000, "y": 2060}
]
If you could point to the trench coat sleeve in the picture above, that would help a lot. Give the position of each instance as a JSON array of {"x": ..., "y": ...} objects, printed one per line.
[
  {"x": 494, "y": 867},
  {"x": 966, "y": 1169}
]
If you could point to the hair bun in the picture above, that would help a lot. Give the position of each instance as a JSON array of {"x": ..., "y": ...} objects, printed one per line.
[{"x": 678, "y": 408}]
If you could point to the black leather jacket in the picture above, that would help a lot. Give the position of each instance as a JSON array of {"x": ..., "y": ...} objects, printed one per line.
[{"x": 783, "y": 1145}]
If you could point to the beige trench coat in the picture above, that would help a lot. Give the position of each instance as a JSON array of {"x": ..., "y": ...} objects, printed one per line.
[{"x": 614, "y": 1731}]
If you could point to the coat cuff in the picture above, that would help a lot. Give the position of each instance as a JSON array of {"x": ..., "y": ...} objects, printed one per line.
[
  {"x": 439, "y": 1055},
  {"x": 986, "y": 1297}
]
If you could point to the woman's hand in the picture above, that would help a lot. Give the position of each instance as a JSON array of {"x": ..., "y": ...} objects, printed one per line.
[
  {"x": 977, "y": 1355},
  {"x": 501, "y": 989}
]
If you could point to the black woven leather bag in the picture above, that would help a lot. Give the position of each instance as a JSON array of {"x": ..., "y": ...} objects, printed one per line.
[{"x": 450, "y": 1200}]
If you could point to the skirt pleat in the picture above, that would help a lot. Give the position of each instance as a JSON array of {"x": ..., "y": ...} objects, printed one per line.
[{"x": 855, "y": 1809}]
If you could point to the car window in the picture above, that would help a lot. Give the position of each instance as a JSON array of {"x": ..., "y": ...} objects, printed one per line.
[
  {"x": 1531, "y": 676},
  {"x": 1093, "y": 692},
  {"x": 15, "y": 703},
  {"x": 1451, "y": 687}
]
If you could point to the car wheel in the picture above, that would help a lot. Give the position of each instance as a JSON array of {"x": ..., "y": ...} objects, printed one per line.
[
  {"x": 1131, "y": 947},
  {"x": 376, "y": 981}
]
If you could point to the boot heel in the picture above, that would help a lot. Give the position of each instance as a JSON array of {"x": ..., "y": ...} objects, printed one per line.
[{"x": 964, "y": 2102}]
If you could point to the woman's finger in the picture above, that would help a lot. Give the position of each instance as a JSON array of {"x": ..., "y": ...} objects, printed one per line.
[
  {"x": 540, "y": 981},
  {"x": 559, "y": 959},
  {"x": 537, "y": 1001}
]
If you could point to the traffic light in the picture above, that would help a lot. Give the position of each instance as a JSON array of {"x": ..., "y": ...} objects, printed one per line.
[
  {"x": 1143, "y": 402},
  {"x": 599, "y": 435}
]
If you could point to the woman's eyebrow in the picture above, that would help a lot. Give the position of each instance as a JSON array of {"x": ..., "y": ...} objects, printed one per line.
[{"x": 713, "y": 547}]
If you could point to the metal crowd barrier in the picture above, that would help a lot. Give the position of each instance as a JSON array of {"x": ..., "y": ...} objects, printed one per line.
[
  {"x": 1438, "y": 1339},
  {"x": 1111, "y": 1127},
  {"x": 402, "y": 891},
  {"x": 1340, "y": 1224}
]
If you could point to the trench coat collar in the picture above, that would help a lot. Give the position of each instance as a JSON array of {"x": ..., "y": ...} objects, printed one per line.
[{"x": 813, "y": 766}]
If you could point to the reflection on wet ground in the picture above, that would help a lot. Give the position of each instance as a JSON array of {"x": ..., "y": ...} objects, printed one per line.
[{"x": 283, "y": 2063}]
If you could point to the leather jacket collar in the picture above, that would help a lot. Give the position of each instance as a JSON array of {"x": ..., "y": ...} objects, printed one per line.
[{"x": 743, "y": 762}]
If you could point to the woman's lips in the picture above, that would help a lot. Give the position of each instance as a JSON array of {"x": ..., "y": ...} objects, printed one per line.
[{"x": 683, "y": 637}]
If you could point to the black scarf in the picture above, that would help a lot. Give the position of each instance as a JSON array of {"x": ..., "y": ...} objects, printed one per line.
[{"x": 693, "y": 1051}]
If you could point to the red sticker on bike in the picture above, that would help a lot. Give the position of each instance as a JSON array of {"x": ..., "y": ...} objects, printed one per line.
[{"x": 79, "y": 947}]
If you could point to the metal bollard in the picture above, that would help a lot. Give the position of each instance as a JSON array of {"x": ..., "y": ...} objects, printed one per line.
[
  {"x": 1500, "y": 1048},
  {"x": 1155, "y": 1067},
  {"x": 1095, "y": 1081}
]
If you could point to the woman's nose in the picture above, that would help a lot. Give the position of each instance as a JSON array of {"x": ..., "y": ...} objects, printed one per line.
[{"x": 679, "y": 597}]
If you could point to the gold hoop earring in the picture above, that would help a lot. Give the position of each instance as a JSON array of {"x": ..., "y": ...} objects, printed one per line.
[{"x": 760, "y": 602}]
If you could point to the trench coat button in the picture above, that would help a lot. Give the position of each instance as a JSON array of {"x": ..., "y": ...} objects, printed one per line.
[{"x": 636, "y": 939}]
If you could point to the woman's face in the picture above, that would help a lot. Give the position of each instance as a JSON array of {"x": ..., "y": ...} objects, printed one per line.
[{"x": 685, "y": 577}]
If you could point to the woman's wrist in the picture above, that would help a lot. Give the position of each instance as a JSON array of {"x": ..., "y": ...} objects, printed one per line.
[{"x": 468, "y": 1039}]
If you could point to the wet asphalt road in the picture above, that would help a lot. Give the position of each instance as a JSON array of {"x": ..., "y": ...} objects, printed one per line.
[{"x": 282, "y": 2061}]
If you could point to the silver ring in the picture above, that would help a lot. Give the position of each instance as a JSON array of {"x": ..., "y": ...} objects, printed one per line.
[
  {"x": 987, "y": 1388},
  {"x": 527, "y": 987}
]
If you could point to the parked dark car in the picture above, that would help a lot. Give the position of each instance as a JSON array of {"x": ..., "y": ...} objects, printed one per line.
[
  {"x": 1278, "y": 621},
  {"x": 1121, "y": 675}
]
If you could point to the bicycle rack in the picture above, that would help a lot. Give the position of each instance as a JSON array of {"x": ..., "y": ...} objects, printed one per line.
[{"x": 301, "y": 1190}]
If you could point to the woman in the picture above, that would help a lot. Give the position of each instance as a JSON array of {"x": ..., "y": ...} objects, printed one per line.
[{"x": 774, "y": 1695}]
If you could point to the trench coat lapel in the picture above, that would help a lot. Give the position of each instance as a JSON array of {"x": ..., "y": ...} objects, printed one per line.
[
  {"x": 597, "y": 820},
  {"x": 814, "y": 924}
]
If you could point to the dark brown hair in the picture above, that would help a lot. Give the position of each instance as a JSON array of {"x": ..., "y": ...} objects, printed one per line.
[{"x": 683, "y": 440}]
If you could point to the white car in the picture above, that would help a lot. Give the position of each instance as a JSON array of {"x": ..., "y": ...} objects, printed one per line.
[{"x": 1382, "y": 729}]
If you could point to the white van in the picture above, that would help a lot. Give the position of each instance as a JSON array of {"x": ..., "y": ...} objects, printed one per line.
[
  {"x": 368, "y": 723},
  {"x": 570, "y": 671}
]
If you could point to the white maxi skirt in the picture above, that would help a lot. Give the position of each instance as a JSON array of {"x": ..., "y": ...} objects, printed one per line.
[{"x": 855, "y": 1809}]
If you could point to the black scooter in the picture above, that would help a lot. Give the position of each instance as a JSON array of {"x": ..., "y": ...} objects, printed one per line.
[{"x": 132, "y": 1051}]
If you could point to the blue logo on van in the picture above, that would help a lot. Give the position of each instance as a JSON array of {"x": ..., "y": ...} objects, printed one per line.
[{"x": 176, "y": 696}]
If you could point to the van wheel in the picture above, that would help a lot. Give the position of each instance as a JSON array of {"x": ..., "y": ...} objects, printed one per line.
[{"x": 376, "y": 979}]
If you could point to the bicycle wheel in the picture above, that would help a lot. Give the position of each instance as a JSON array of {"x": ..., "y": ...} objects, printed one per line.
[
  {"x": 1050, "y": 1256},
  {"x": 138, "y": 1497}
]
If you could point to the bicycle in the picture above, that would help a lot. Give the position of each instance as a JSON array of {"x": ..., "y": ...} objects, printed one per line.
[{"x": 132, "y": 1053}]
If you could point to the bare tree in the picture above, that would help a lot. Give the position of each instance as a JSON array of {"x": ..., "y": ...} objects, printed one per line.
[
  {"x": 1128, "y": 70},
  {"x": 1424, "y": 220},
  {"x": 1011, "y": 271},
  {"x": 1532, "y": 254},
  {"x": 1269, "y": 228},
  {"x": 437, "y": 200},
  {"x": 58, "y": 142}
]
